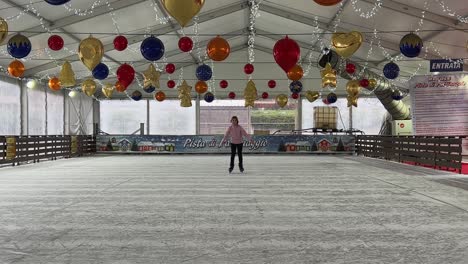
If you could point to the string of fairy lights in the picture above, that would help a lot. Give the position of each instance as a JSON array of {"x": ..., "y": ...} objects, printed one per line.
[{"x": 317, "y": 38}]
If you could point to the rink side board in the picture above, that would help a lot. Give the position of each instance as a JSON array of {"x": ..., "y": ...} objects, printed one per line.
[{"x": 204, "y": 144}]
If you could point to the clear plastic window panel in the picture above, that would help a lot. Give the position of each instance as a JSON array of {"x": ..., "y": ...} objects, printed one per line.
[
  {"x": 10, "y": 108},
  {"x": 369, "y": 115},
  {"x": 36, "y": 111},
  {"x": 55, "y": 113},
  {"x": 342, "y": 113},
  {"x": 215, "y": 117},
  {"x": 267, "y": 117},
  {"x": 122, "y": 116},
  {"x": 169, "y": 118}
]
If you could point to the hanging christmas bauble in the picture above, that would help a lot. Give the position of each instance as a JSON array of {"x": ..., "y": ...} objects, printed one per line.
[
  {"x": 160, "y": 96},
  {"x": 185, "y": 44},
  {"x": 101, "y": 71},
  {"x": 295, "y": 87},
  {"x": 136, "y": 95},
  {"x": 327, "y": 2},
  {"x": 294, "y": 95},
  {"x": 265, "y": 95},
  {"x": 223, "y": 84},
  {"x": 332, "y": 98},
  {"x": 248, "y": 68},
  {"x": 232, "y": 95},
  {"x": 19, "y": 46},
  {"x": 16, "y": 68},
  {"x": 171, "y": 84},
  {"x": 272, "y": 84},
  {"x": 411, "y": 45},
  {"x": 54, "y": 84},
  {"x": 350, "y": 68},
  {"x": 170, "y": 68},
  {"x": 57, "y": 2},
  {"x": 55, "y": 42},
  {"x": 201, "y": 87},
  {"x": 149, "y": 89},
  {"x": 203, "y": 72},
  {"x": 391, "y": 70},
  {"x": 209, "y": 97},
  {"x": 364, "y": 83},
  {"x": 120, "y": 43},
  {"x": 218, "y": 49},
  {"x": 152, "y": 48}
]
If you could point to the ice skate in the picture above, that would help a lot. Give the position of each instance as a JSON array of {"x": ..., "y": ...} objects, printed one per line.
[{"x": 241, "y": 168}]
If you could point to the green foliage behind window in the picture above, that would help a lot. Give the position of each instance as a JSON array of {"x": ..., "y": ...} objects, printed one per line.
[{"x": 273, "y": 119}]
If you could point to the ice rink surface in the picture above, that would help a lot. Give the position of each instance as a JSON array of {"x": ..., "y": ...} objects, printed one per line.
[{"x": 188, "y": 209}]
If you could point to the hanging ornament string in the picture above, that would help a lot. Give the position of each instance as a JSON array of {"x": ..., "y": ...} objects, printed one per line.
[
  {"x": 211, "y": 82},
  {"x": 448, "y": 11},
  {"x": 79, "y": 12},
  {"x": 337, "y": 18},
  {"x": 112, "y": 14},
  {"x": 316, "y": 40},
  {"x": 162, "y": 20},
  {"x": 421, "y": 20},
  {"x": 368, "y": 14},
  {"x": 254, "y": 8},
  {"x": 196, "y": 38}
]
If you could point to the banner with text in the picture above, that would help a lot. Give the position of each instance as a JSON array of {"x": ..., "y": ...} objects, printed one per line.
[
  {"x": 212, "y": 144},
  {"x": 439, "y": 104}
]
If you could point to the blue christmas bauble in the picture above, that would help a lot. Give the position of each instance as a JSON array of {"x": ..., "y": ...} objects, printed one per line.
[
  {"x": 295, "y": 87},
  {"x": 136, "y": 95},
  {"x": 204, "y": 72},
  {"x": 101, "y": 71},
  {"x": 391, "y": 70},
  {"x": 411, "y": 45},
  {"x": 332, "y": 98},
  {"x": 209, "y": 97},
  {"x": 149, "y": 89},
  {"x": 152, "y": 48},
  {"x": 19, "y": 46},
  {"x": 57, "y": 2}
]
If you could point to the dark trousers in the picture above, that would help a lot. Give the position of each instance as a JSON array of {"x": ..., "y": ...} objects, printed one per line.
[{"x": 234, "y": 148}]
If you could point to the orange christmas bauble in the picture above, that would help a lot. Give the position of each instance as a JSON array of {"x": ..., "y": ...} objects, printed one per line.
[
  {"x": 54, "y": 84},
  {"x": 201, "y": 87},
  {"x": 16, "y": 68}
]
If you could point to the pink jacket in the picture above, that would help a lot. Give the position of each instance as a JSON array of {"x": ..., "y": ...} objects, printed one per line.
[{"x": 236, "y": 133}]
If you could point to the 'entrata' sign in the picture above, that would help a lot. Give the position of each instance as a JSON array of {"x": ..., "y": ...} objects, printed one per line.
[{"x": 446, "y": 65}]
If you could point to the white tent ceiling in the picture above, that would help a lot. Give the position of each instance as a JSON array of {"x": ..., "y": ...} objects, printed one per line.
[{"x": 441, "y": 24}]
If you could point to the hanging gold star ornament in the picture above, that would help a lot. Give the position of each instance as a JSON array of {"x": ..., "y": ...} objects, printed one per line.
[
  {"x": 250, "y": 94},
  {"x": 353, "y": 88},
  {"x": 67, "y": 76},
  {"x": 328, "y": 76},
  {"x": 151, "y": 77},
  {"x": 107, "y": 90},
  {"x": 184, "y": 94}
]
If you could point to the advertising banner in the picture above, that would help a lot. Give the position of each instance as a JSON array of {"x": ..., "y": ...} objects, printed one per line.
[{"x": 212, "y": 144}]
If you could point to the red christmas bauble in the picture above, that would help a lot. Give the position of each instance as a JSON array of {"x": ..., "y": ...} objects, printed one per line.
[
  {"x": 171, "y": 84},
  {"x": 170, "y": 68},
  {"x": 55, "y": 42},
  {"x": 120, "y": 43},
  {"x": 232, "y": 95},
  {"x": 223, "y": 84},
  {"x": 272, "y": 84},
  {"x": 248, "y": 68},
  {"x": 350, "y": 68},
  {"x": 185, "y": 44},
  {"x": 265, "y": 95},
  {"x": 294, "y": 95},
  {"x": 364, "y": 83}
]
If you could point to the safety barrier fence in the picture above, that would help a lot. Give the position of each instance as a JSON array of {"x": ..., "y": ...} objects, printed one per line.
[
  {"x": 440, "y": 152},
  {"x": 15, "y": 150}
]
